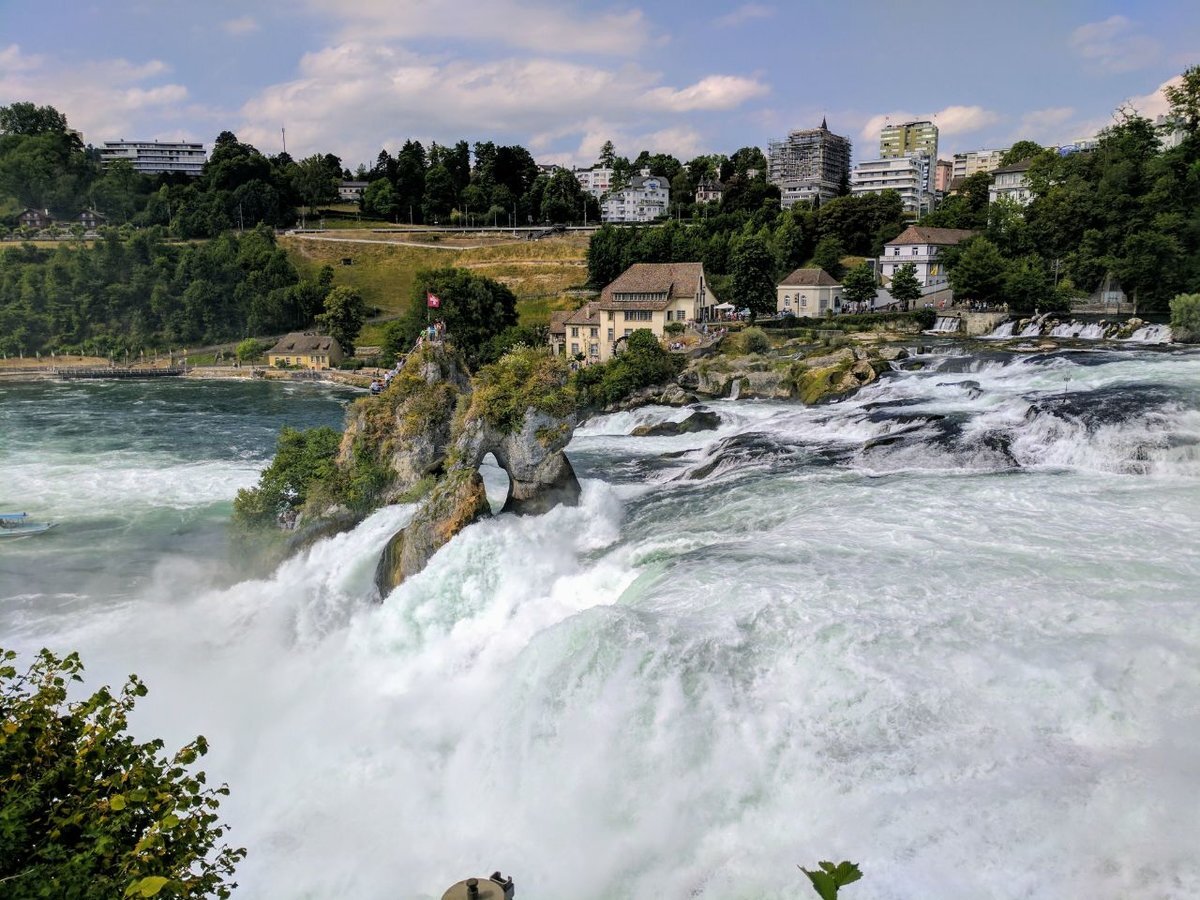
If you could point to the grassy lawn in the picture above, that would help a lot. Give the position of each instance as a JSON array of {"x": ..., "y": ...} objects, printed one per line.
[{"x": 538, "y": 272}]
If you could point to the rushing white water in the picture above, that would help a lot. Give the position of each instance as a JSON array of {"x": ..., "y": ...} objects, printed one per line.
[
  {"x": 1151, "y": 334},
  {"x": 947, "y": 628},
  {"x": 947, "y": 324},
  {"x": 1002, "y": 332},
  {"x": 1076, "y": 330}
]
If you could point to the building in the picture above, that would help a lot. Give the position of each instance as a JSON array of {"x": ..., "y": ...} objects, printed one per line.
[
  {"x": 577, "y": 334},
  {"x": 972, "y": 161},
  {"x": 650, "y": 295},
  {"x": 904, "y": 175},
  {"x": 35, "y": 218},
  {"x": 351, "y": 191},
  {"x": 908, "y": 139},
  {"x": 597, "y": 180},
  {"x": 808, "y": 292},
  {"x": 646, "y": 198},
  {"x": 157, "y": 157},
  {"x": 1011, "y": 183},
  {"x": 1171, "y": 135},
  {"x": 809, "y": 166},
  {"x": 90, "y": 219},
  {"x": 921, "y": 246},
  {"x": 709, "y": 191},
  {"x": 306, "y": 349},
  {"x": 549, "y": 169},
  {"x": 944, "y": 170}
]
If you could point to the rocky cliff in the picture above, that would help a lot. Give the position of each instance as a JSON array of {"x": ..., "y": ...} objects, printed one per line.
[{"x": 433, "y": 428}]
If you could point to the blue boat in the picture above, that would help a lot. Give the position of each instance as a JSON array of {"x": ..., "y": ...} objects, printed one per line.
[{"x": 19, "y": 525}]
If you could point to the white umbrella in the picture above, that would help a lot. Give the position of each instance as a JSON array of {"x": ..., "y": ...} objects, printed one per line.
[{"x": 723, "y": 306}]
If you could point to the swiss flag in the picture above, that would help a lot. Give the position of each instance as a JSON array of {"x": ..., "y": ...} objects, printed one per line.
[{"x": 432, "y": 300}]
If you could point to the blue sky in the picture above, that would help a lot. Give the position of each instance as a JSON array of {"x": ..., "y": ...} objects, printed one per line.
[{"x": 561, "y": 76}]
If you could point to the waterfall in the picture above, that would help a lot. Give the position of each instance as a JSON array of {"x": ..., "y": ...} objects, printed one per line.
[
  {"x": 1151, "y": 334},
  {"x": 735, "y": 389},
  {"x": 1004, "y": 332},
  {"x": 1033, "y": 329},
  {"x": 1093, "y": 332},
  {"x": 947, "y": 324}
]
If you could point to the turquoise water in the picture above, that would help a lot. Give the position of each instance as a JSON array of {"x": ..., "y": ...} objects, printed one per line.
[{"x": 948, "y": 628}]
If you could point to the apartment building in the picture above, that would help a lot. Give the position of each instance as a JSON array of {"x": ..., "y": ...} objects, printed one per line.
[
  {"x": 905, "y": 175},
  {"x": 156, "y": 157},
  {"x": 809, "y": 165},
  {"x": 646, "y": 198}
]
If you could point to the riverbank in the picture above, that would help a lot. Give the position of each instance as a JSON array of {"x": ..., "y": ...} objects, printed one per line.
[{"x": 95, "y": 367}]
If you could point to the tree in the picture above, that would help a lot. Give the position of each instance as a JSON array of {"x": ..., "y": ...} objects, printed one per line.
[
  {"x": 1185, "y": 317},
  {"x": 87, "y": 811},
  {"x": 905, "y": 287},
  {"x": 858, "y": 285},
  {"x": 563, "y": 199},
  {"x": 248, "y": 349},
  {"x": 1020, "y": 151},
  {"x": 753, "y": 280},
  {"x": 440, "y": 195},
  {"x": 314, "y": 182},
  {"x": 1184, "y": 100},
  {"x": 26, "y": 118},
  {"x": 379, "y": 199},
  {"x": 1028, "y": 287},
  {"x": 979, "y": 272},
  {"x": 474, "y": 308},
  {"x": 303, "y": 460},
  {"x": 828, "y": 255},
  {"x": 608, "y": 155},
  {"x": 343, "y": 317}
]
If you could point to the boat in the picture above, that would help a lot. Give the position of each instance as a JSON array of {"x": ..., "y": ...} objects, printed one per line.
[{"x": 19, "y": 525}]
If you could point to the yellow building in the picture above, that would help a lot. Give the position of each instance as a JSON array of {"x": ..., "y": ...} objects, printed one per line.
[
  {"x": 651, "y": 295},
  {"x": 306, "y": 349}
]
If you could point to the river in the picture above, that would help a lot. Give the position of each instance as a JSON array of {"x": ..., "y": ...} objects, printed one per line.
[{"x": 948, "y": 629}]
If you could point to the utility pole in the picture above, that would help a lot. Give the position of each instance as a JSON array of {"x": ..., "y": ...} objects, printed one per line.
[{"x": 283, "y": 132}]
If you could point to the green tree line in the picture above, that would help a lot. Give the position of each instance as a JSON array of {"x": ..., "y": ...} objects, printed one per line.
[{"x": 144, "y": 292}]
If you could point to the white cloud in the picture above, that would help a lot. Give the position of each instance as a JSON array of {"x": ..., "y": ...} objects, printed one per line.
[
  {"x": 105, "y": 99},
  {"x": 710, "y": 93},
  {"x": 1113, "y": 45},
  {"x": 950, "y": 120},
  {"x": 364, "y": 96},
  {"x": 241, "y": 26},
  {"x": 744, "y": 13},
  {"x": 1155, "y": 103},
  {"x": 540, "y": 26}
]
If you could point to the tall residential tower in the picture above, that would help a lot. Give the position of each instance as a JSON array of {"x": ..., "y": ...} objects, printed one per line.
[{"x": 810, "y": 165}]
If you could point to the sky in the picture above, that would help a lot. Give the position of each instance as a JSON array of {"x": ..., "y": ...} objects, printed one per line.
[{"x": 560, "y": 77}]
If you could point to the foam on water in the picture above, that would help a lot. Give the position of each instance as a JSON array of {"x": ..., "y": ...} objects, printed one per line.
[{"x": 946, "y": 628}]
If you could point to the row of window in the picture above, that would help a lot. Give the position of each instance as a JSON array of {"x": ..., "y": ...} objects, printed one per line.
[
  {"x": 575, "y": 331},
  {"x": 916, "y": 251}
]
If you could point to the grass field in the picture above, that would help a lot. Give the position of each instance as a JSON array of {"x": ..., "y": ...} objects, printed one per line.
[{"x": 384, "y": 267}]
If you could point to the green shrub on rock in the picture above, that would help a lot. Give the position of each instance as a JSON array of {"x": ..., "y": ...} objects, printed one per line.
[{"x": 1185, "y": 318}]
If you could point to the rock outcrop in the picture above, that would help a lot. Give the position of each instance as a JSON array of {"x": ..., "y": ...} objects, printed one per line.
[
  {"x": 700, "y": 420},
  {"x": 520, "y": 410}
]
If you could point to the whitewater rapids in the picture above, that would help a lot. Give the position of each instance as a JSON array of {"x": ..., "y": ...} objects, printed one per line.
[{"x": 947, "y": 629}]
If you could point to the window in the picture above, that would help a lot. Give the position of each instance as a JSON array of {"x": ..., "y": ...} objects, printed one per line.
[
  {"x": 610, "y": 315},
  {"x": 914, "y": 251},
  {"x": 574, "y": 331},
  {"x": 595, "y": 332},
  {"x": 804, "y": 300},
  {"x": 895, "y": 251},
  {"x": 787, "y": 299},
  {"x": 610, "y": 335},
  {"x": 574, "y": 348},
  {"x": 628, "y": 332},
  {"x": 639, "y": 315}
]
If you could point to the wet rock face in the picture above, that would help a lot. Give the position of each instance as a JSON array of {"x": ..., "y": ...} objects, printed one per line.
[
  {"x": 529, "y": 449},
  {"x": 700, "y": 420},
  {"x": 458, "y": 500},
  {"x": 539, "y": 474}
]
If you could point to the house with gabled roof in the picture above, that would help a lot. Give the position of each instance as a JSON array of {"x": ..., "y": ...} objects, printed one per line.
[
  {"x": 808, "y": 292},
  {"x": 306, "y": 349},
  {"x": 576, "y": 334},
  {"x": 921, "y": 246},
  {"x": 652, "y": 295}
]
